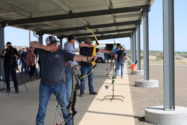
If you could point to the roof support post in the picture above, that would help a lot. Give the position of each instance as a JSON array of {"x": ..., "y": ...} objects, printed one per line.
[
  {"x": 138, "y": 48},
  {"x": 134, "y": 46},
  {"x": 131, "y": 44},
  {"x": 170, "y": 114},
  {"x": 40, "y": 38},
  {"x": 146, "y": 82},
  {"x": 169, "y": 51},
  {"x": 2, "y": 46},
  {"x": 61, "y": 42},
  {"x": 146, "y": 43}
]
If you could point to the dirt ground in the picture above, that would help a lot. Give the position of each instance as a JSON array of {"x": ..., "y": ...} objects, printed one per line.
[{"x": 144, "y": 97}]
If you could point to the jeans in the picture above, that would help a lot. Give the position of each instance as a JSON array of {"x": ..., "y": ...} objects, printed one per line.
[
  {"x": 45, "y": 92},
  {"x": 24, "y": 67},
  {"x": 32, "y": 70},
  {"x": 69, "y": 80},
  {"x": 120, "y": 67},
  {"x": 11, "y": 70},
  {"x": 85, "y": 70}
]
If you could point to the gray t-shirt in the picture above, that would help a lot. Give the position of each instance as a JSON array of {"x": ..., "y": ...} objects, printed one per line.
[
  {"x": 52, "y": 65},
  {"x": 70, "y": 48}
]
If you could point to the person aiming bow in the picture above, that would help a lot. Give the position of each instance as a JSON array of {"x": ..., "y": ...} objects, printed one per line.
[
  {"x": 87, "y": 68},
  {"x": 52, "y": 76}
]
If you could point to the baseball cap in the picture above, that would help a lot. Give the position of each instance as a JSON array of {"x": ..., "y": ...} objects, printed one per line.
[
  {"x": 88, "y": 41},
  {"x": 71, "y": 37},
  {"x": 8, "y": 43},
  {"x": 118, "y": 44},
  {"x": 51, "y": 40}
]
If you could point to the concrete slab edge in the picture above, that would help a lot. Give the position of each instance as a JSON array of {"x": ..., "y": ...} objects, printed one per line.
[
  {"x": 147, "y": 83},
  {"x": 157, "y": 115}
]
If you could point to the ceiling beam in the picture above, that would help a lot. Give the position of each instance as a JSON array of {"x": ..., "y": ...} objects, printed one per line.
[
  {"x": 102, "y": 32},
  {"x": 91, "y": 26},
  {"x": 107, "y": 37},
  {"x": 74, "y": 15}
]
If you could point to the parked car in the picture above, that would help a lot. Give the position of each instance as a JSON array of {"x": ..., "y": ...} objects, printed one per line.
[{"x": 100, "y": 58}]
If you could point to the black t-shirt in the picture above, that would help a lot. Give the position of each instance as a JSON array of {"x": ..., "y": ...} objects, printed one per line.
[
  {"x": 52, "y": 65},
  {"x": 87, "y": 51},
  {"x": 120, "y": 55},
  {"x": 9, "y": 57}
]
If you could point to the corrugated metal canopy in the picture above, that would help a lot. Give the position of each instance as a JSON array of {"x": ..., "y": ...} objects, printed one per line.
[{"x": 65, "y": 17}]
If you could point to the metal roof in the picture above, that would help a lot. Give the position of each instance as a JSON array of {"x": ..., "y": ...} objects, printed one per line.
[{"x": 107, "y": 18}]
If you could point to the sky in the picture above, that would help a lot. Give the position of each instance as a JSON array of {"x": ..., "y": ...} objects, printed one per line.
[{"x": 20, "y": 37}]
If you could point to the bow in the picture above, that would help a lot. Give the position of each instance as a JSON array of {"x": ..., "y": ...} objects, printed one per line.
[
  {"x": 94, "y": 53},
  {"x": 72, "y": 100}
]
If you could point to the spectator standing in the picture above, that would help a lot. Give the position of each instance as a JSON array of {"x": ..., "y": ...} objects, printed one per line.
[
  {"x": 23, "y": 56},
  {"x": 10, "y": 56},
  {"x": 31, "y": 61}
]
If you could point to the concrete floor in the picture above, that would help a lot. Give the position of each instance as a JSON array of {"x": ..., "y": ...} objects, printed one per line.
[{"x": 21, "y": 109}]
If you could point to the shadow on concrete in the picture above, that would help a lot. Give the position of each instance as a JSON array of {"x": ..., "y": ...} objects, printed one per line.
[
  {"x": 22, "y": 78},
  {"x": 141, "y": 119},
  {"x": 84, "y": 102}
]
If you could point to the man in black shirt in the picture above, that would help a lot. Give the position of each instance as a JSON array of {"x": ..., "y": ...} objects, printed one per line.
[
  {"x": 52, "y": 76},
  {"x": 87, "y": 68},
  {"x": 10, "y": 56}
]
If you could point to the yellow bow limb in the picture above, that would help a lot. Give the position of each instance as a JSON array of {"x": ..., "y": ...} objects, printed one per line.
[{"x": 94, "y": 53}]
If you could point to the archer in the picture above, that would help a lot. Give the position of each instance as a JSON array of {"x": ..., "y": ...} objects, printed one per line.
[
  {"x": 52, "y": 76},
  {"x": 87, "y": 68}
]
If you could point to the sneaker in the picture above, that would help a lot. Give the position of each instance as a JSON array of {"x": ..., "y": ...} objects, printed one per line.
[
  {"x": 93, "y": 93},
  {"x": 117, "y": 77},
  {"x": 17, "y": 91},
  {"x": 8, "y": 90}
]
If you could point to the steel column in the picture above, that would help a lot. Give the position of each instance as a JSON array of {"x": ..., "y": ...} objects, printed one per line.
[
  {"x": 134, "y": 42},
  {"x": 169, "y": 53},
  {"x": 146, "y": 44},
  {"x": 2, "y": 46},
  {"x": 131, "y": 45},
  {"x": 138, "y": 48},
  {"x": 40, "y": 39},
  {"x": 61, "y": 42},
  {"x": 132, "y": 48}
]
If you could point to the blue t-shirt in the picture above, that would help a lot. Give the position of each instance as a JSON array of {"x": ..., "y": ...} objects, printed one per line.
[
  {"x": 116, "y": 50},
  {"x": 52, "y": 65}
]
